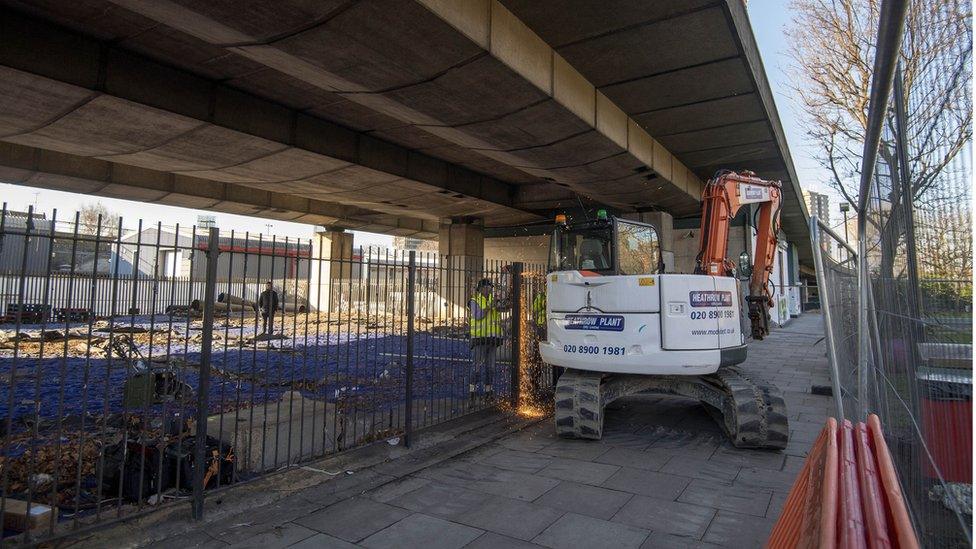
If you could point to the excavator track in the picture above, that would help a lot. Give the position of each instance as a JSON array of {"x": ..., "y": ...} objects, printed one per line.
[
  {"x": 579, "y": 405},
  {"x": 750, "y": 411},
  {"x": 753, "y": 412}
]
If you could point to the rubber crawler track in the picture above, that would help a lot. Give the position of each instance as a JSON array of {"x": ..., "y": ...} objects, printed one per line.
[
  {"x": 754, "y": 412},
  {"x": 751, "y": 412},
  {"x": 579, "y": 405}
]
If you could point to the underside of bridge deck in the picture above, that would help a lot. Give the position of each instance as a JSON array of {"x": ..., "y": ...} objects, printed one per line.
[{"x": 390, "y": 115}]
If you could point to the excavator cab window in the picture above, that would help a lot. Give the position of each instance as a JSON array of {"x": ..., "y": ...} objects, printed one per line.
[
  {"x": 605, "y": 246},
  {"x": 586, "y": 246},
  {"x": 638, "y": 249}
]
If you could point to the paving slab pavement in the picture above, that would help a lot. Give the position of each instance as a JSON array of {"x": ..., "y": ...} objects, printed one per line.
[{"x": 662, "y": 476}]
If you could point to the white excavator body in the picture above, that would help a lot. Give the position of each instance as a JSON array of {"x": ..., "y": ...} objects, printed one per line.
[{"x": 653, "y": 324}]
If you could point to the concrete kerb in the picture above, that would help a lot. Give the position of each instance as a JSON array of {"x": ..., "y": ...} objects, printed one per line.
[{"x": 359, "y": 470}]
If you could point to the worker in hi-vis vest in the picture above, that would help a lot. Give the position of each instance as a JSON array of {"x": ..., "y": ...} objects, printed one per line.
[
  {"x": 539, "y": 312},
  {"x": 486, "y": 336}
]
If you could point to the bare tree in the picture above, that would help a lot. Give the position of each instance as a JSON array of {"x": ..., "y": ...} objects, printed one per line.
[
  {"x": 833, "y": 49},
  {"x": 95, "y": 218}
]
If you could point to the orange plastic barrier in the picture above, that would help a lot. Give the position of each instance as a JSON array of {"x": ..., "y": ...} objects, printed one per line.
[
  {"x": 847, "y": 494},
  {"x": 897, "y": 511},
  {"x": 809, "y": 517}
]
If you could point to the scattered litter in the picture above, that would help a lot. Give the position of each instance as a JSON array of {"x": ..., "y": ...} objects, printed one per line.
[{"x": 393, "y": 441}]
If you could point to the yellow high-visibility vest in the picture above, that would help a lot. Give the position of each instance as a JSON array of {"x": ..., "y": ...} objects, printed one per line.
[
  {"x": 539, "y": 308},
  {"x": 490, "y": 325}
]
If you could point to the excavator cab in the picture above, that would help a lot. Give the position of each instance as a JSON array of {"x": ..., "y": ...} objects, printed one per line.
[{"x": 605, "y": 246}]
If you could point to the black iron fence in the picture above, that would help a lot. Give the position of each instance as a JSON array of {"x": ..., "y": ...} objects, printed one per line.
[{"x": 154, "y": 368}]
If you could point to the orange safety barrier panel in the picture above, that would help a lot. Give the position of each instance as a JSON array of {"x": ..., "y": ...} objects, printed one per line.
[
  {"x": 852, "y": 521},
  {"x": 847, "y": 494},
  {"x": 872, "y": 496},
  {"x": 897, "y": 512},
  {"x": 809, "y": 514}
]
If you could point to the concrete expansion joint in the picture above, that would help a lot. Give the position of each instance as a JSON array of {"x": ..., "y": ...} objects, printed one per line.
[
  {"x": 692, "y": 103},
  {"x": 717, "y": 127},
  {"x": 670, "y": 71},
  {"x": 551, "y": 143},
  {"x": 70, "y": 109},
  {"x": 317, "y": 22},
  {"x": 639, "y": 24}
]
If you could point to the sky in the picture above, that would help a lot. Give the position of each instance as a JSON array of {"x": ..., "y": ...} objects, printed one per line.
[{"x": 768, "y": 17}]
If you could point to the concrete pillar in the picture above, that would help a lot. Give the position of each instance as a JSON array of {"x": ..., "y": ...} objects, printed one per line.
[
  {"x": 663, "y": 222},
  {"x": 461, "y": 243},
  {"x": 330, "y": 270}
]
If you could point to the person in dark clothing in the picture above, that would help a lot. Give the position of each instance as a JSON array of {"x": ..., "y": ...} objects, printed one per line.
[{"x": 269, "y": 305}]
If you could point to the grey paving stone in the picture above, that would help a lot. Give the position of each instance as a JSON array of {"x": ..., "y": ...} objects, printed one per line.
[
  {"x": 689, "y": 443},
  {"x": 191, "y": 540},
  {"x": 512, "y": 484},
  {"x": 637, "y": 459},
  {"x": 510, "y": 517},
  {"x": 734, "y": 530},
  {"x": 701, "y": 469},
  {"x": 748, "y": 458},
  {"x": 441, "y": 500},
  {"x": 573, "y": 530},
  {"x": 619, "y": 438},
  {"x": 457, "y": 471},
  {"x": 765, "y": 479},
  {"x": 322, "y": 541},
  {"x": 244, "y": 526},
  {"x": 793, "y": 464},
  {"x": 277, "y": 536},
  {"x": 517, "y": 460},
  {"x": 529, "y": 442},
  {"x": 584, "y": 499},
  {"x": 806, "y": 437},
  {"x": 574, "y": 470},
  {"x": 669, "y": 517},
  {"x": 396, "y": 489},
  {"x": 658, "y": 540},
  {"x": 724, "y": 496},
  {"x": 776, "y": 505},
  {"x": 421, "y": 530},
  {"x": 647, "y": 483},
  {"x": 353, "y": 519},
  {"x": 584, "y": 450},
  {"x": 491, "y": 540}
]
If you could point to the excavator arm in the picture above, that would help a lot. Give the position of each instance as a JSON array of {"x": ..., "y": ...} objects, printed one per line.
[{"x": 722, "y": 198}]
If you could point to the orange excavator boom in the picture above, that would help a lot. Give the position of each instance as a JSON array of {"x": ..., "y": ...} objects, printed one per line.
[{"x": 722, "y": 198}]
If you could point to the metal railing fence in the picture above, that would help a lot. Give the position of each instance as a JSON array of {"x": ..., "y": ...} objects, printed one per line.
[
  {"x": 899, "y": 312},
  {"x": 127, "y": 385}
]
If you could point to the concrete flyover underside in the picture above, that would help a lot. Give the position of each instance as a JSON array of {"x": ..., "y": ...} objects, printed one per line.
[{"x": 388, "y": 115}]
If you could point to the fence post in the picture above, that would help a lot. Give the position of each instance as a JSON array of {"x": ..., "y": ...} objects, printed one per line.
[
  {"x": 411, "y": 301},
  {"x": 516, "y": 332},
  {"x": 822, "y": 291},
  {"x": 203, "y": 391}
]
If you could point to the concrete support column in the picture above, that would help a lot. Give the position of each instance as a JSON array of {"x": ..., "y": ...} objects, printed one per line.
[
  {"x": 461, "y": 243},
  {"x": 664, "y": 224},
  {"x": 331, "y": 269}
]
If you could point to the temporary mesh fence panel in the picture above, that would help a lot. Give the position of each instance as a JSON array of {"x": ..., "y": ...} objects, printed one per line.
[
  {"x": 837, "y": 293},
  {"x": 918, "y": 242},
  {"x": 313, "y": 350}
]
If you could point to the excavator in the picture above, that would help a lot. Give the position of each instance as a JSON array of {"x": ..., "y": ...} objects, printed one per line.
[{"x": 618, "y": 325}]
